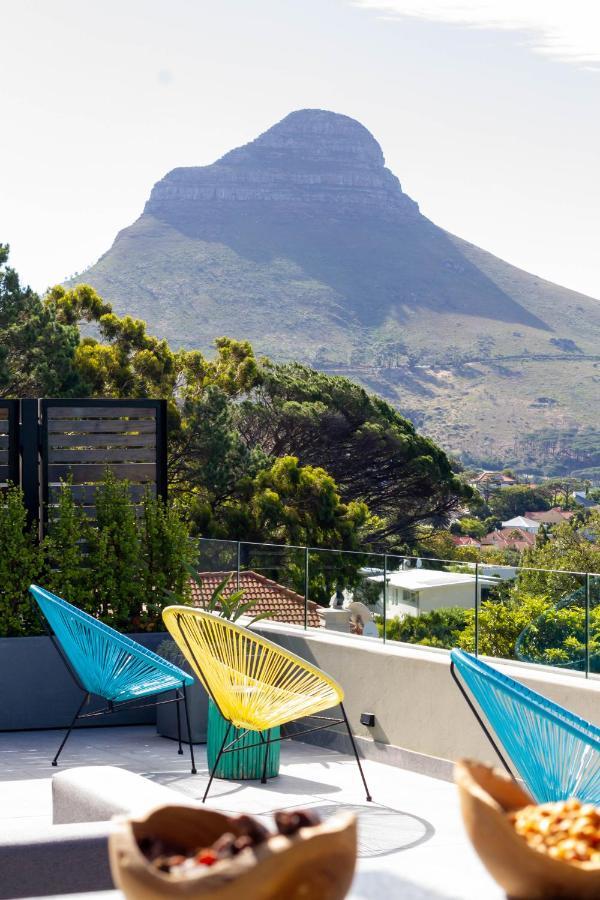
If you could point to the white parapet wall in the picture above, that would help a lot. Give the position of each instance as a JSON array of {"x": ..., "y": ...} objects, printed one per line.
[{"x": 416, "y": 703}]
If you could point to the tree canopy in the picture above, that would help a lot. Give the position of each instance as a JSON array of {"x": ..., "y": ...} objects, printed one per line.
[
  {"x": 516, "y": 501},
  {"x": 36, "y": 348},
  {"x": 257, "y": 450},
  {"x": 372, "y": 452}
]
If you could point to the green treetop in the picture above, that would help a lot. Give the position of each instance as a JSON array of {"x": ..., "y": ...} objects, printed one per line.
[{"x": 36, "y": 348}]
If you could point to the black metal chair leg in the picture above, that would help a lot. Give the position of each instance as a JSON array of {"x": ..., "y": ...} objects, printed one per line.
[
  {"x": 351, "y": 736},
  {"x": 263, "y": 780},
  {"x": 70, "y": 728},
  {"x": 218, "y": 759},
  {"x": 187, "y": 722},
  {"x": 177, "y": 702}
]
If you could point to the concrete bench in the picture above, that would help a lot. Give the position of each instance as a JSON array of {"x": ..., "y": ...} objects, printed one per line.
[
  {"x": 97, "y": 793},
  {"x": 55, "y": 860},
  {"x": 71, "y": 856}
]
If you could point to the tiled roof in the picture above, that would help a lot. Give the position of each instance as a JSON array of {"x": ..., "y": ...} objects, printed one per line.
[
  {"x": 498, "y": 477},
  {"x": 509, "y": 539},
  {"x": 550, "y": 516},
  {"x": 462, "y": 540},
  {"x": 284, "y": 604}
]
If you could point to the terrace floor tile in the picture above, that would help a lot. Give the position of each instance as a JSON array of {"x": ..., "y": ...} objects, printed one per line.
[{"x": 411, "y": 837}]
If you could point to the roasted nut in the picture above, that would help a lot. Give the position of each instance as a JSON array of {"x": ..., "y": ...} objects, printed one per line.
[
  {"x": 253, "y": 828},
  {"x": 567, "y": 830},
  {"x": 289, "y": 822},
  {"x": 169, "y": 858},
  {"x": 223, "y": 845}
]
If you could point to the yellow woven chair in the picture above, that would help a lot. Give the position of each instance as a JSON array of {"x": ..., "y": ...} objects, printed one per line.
[{"x": 254, "y": 683}]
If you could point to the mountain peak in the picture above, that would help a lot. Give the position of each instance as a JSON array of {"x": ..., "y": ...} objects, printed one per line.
[
  {"x": 303, "y": 242},
  {"x": 313, "y": 162},
  {"x": 320, "y": 135}
]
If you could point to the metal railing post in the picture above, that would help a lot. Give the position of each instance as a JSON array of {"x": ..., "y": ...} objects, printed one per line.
[
  {"x": 30, "y": 462},
  {"x": 587, "y": 625},
  {"x": 162, "y": 452},
  {"x": 306, "y": 555},
  {"x": 476, "y": 609},
  {"x": 238, "y": 564},
  {"x": 384, "y": 596}
]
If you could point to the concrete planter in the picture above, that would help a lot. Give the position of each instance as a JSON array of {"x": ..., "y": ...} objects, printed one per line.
[
  {"x": 37, "y": 691},
  {"x": 166, "y": 715}
]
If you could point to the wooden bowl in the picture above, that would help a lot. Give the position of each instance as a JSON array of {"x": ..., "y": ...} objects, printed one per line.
[
  {"x": 316, "y": 863},
  {"x": 486, "y": 795}
]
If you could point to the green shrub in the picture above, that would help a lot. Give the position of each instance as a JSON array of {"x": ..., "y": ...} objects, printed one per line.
[
  {"x": 115, "y": 557},
  {"x": 501, "y": 623},
  {"x": 438, "y": 628},
  {"x": 167, "y": 551},
  {"x": 116, "y": 568},
  {"x": 66, "y": 570},
  {"x": 20, "y": 565},
  {"x": 548, "y": 633}
]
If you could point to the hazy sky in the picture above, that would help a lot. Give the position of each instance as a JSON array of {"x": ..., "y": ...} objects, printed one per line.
[{"x": 488, "y": 112}]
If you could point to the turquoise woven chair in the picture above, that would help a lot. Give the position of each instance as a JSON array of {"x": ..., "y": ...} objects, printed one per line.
[
  {"x": 556, "y": 753},
  {"x": 109, "y": 665}
]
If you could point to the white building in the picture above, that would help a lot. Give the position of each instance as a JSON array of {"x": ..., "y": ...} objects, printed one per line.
[
  {"x": 411, "y": 592},
  {"x": 522, "y": 522}
]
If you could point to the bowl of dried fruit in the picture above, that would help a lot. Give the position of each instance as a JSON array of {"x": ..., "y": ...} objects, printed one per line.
[
  {"x": 534, "y": 851},
  {"x": 189, "y": 852}
]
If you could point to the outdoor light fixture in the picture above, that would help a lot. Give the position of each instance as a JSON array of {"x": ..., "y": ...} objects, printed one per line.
[{"x": 367, "y": 719}]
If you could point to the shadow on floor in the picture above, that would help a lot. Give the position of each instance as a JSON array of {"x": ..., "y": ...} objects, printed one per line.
[
  {"x": 382, "y": 830},
  {"x": 374, "y": 884},
  {"x": 283, "y": 784}
]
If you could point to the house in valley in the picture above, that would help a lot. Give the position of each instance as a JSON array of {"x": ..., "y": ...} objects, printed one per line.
[{"x": 411, "y": 592}]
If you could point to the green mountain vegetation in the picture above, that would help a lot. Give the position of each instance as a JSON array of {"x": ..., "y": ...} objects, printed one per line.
[{"x": 303, "y": 243}]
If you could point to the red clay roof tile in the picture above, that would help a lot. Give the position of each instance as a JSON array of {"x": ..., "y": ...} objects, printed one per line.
[{"x": 284, "y": 604}]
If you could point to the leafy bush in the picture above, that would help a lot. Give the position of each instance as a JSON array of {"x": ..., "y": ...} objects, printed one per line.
[
  {"x": 166, "y": 554},
  {"x": 20, "y": 564},
  {"x": 116, "y": 568},
  {"x": 520, "y": 625},
  {"x": 66, "y": 563},
  {"x": 115, "y": 558},
  {"x": 501, "y": 623},
  {"x": 438, "y": 628}
]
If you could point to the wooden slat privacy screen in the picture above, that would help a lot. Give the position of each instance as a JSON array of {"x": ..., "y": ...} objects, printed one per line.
[
  {"x": 9, "y": 442},
  {"x": 43, "y": 442},
  {"x": 81, "y": 439}
]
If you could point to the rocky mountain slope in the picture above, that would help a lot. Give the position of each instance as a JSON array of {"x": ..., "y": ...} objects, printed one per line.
[{"x": 303, "y": 242}]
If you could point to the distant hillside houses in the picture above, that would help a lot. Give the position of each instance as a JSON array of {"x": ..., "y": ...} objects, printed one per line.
[
  {"x": 581, "y": 499},
  {"x": 464, "y": 540},
  {"x": 523, "y": 523},
  {"x": 509, "y": 539},
  {"x": 486, "y": 482},
  {"x": 518, "y": 533},
  {"x": 554, "y": 516}
]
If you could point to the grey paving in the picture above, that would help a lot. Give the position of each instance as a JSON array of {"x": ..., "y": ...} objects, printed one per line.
[{"x": 412, "y": 843}]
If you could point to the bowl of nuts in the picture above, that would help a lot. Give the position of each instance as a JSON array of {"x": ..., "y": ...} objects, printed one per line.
[
  {"x": 534, "y": 851},
  {"x": 191, "y": 852}
]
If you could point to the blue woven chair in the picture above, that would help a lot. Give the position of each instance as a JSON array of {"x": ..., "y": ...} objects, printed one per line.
[
  {"x": 109, "y": 665},
  {"x": 556, "y": 753}
]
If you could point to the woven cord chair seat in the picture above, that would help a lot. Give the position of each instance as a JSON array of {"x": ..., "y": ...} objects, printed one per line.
[
  {"x": 556, "y": 752},
  {"x": 255, "y": 683},
  {"x": 107, "y": 663}
]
